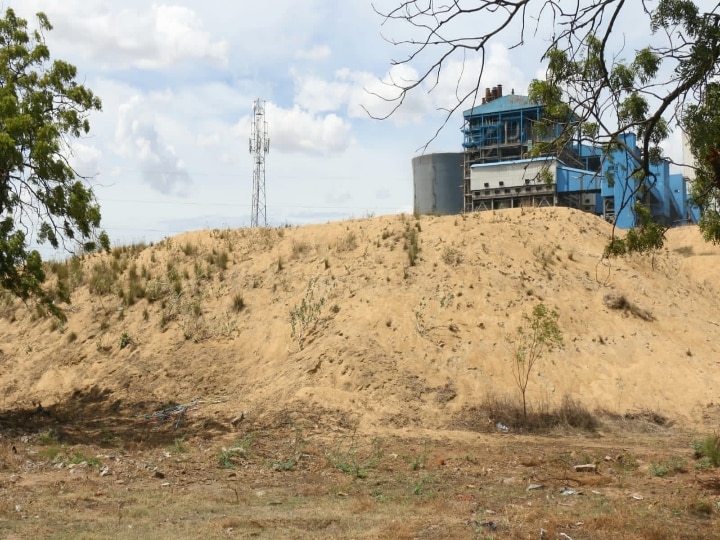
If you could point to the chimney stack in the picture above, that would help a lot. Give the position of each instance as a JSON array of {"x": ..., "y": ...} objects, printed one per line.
[{"x": 492, "y": 93}]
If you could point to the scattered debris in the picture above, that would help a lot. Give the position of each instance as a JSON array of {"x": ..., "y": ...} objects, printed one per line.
[
  {"x": 532, "y": 487},
  {"x": 618, "y": 301},
  {"x": 588, "y": 467},
  {"x": 239, "y": 418},
  {"x": 637, "y": 497},
  {"x": 177, "y": 411},
  {"x": 502, "y": 428},
  {"x": 105, "y": 471},
  {"x": 569, "y": 491}
]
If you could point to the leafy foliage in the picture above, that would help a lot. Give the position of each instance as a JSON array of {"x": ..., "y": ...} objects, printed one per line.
[
  {"x": 708, "y": 449},
  {"x": 42, "y": 108},
  {"x": 539, "y": 334},
  {"x": 701, "y": 122},
  {"x": 647, "y": 235}
]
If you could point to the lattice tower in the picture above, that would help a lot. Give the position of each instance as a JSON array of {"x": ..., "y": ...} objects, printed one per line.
[{"x": 259, "y": 147}]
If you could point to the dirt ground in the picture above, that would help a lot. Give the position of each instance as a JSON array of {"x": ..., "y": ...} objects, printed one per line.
[
  {"x": 309, "y": 474},
  {"x": 333, "y": 381}
]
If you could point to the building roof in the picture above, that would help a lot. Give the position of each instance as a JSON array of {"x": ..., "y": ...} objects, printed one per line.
[
  {"x": 515, "y": 162},
  {"x": 511, "y": 102}
]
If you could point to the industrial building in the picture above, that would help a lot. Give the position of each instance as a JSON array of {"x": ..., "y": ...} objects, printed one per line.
[{"x": 498, "y": 172}]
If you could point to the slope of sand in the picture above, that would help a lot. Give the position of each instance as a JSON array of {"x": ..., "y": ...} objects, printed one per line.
[{"x": 395, "y": 345}]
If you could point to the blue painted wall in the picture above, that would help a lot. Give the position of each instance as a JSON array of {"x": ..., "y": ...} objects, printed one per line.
[{"x": 667, "y": 194}]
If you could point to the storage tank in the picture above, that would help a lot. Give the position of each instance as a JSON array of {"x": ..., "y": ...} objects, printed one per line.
[{"x": 438, "y": 183}]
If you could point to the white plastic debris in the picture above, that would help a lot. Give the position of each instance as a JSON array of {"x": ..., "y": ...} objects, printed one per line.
[{"x": 502, "y": 428}]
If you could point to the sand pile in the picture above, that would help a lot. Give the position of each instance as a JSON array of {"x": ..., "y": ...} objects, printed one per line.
[{"x": 398, "y": 321}]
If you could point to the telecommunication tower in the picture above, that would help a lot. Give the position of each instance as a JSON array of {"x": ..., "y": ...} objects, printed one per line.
[{"x": 259, "y": 147}]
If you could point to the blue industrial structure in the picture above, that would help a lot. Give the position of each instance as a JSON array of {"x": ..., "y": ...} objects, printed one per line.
[{"x": 498, "y": 171}]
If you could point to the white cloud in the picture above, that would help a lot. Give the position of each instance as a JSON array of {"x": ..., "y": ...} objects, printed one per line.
[
  {"x": 361, "y": 94},
  {"x": 458, "y": 82},
  {"x": 148, "y": 37},
  {"x": 381, "y": 97},
  {"x": 318, "y": 52},
  {"x": 300, "y": 130},
  {"x": 179, "y": 34},
  {"x": 137, "y": 139},
  {"x": 338, "y": 196},
  {"x": 85, "y": 159},
  {"x": 673, "y": 148},
  {"x": 208, "y": 140},
  {"x": 318, "y": 95},
  {"x": 460, "y": 78}
]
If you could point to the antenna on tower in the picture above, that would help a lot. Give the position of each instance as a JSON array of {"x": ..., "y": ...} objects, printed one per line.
[{"x": 259, "y": 147}]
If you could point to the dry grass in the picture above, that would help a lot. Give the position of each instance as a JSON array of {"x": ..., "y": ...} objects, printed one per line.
[
  {"x": 460, "y": 487},
  {"x": 508, "y": 412},
  {"x": 620, "y": 302}
]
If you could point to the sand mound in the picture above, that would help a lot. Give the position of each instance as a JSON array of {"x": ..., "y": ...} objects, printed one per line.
[{"x": 397, "y": 321}]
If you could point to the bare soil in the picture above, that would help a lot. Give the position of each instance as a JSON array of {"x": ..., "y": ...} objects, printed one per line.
[{"x": 337, "y": 378}]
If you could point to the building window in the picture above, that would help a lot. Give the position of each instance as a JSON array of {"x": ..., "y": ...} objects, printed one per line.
[
  {"x": 502, "y": 183},
  {"x": 507, "y": 191},
  {"x": 486, "y": 184}
]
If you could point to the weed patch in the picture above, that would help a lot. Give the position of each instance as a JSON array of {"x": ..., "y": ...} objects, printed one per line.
[
  {"x": 355, "y": 460},
  {"x": 412, "y": 244},
  {"x": 707, "y": 450},
  {"x": 670, "y": 467},
  {"x": 348, "y": 242},
  {"x": 103, "y": 279},
  {"x": 238, "y": 302},
  {"x": 229, "y": 457},
  {"x": 452, "y": 256},
  {"x": 304, "y": 317},
  {"x": 504, "y": 411}
]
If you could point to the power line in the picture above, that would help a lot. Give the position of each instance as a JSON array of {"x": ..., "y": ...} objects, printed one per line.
[{"x": 214, "y": 204}]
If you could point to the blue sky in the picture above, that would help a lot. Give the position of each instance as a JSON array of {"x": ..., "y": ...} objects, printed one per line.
[{"x": 169, "y": 151}]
